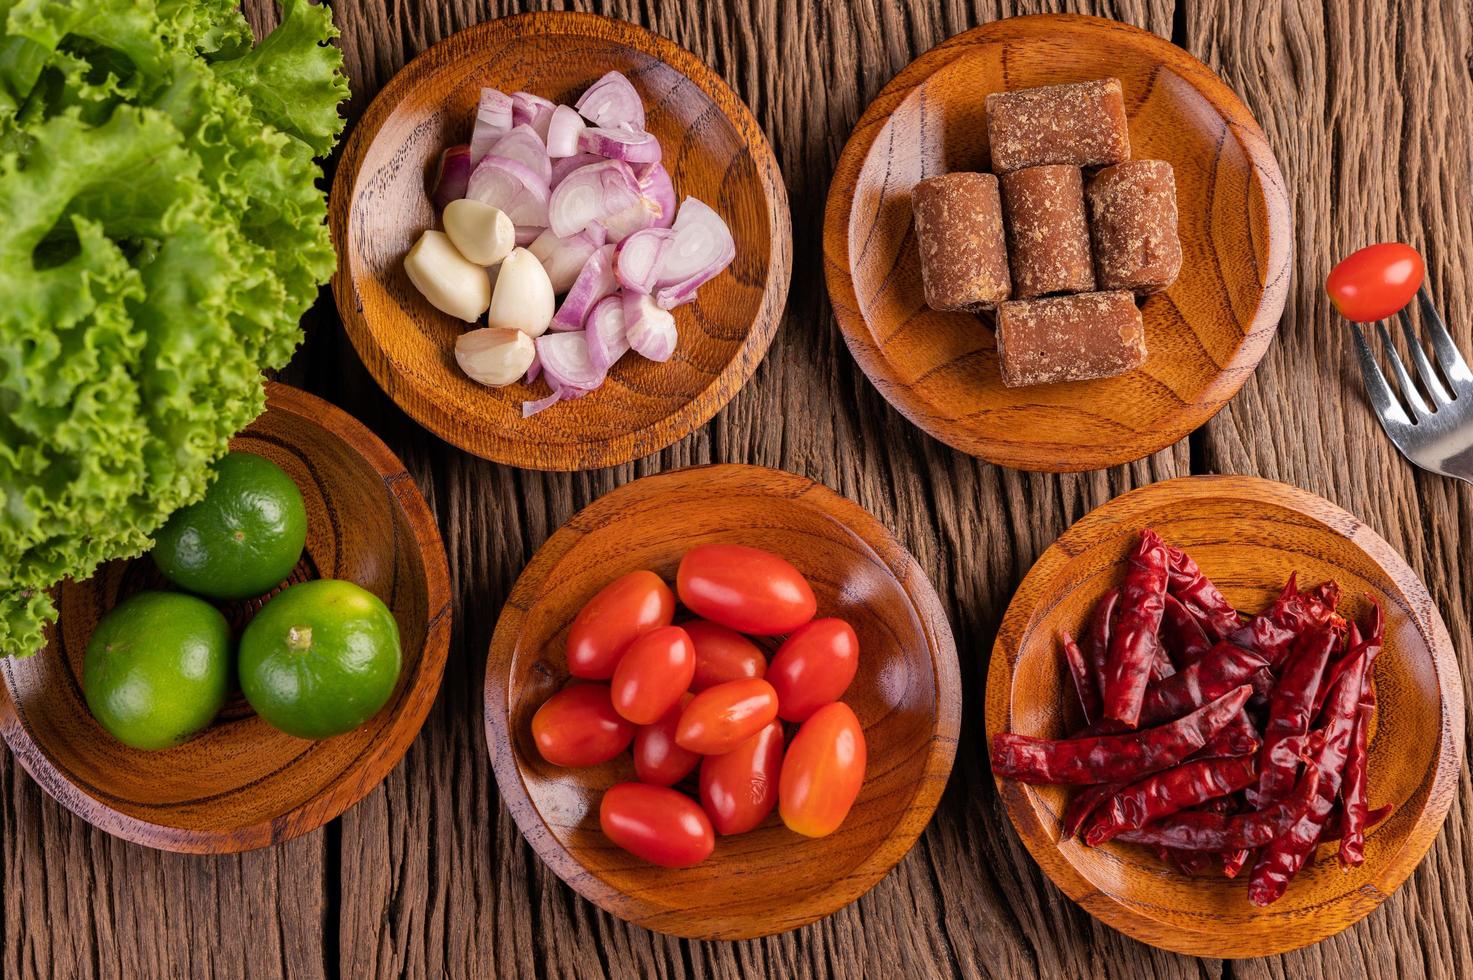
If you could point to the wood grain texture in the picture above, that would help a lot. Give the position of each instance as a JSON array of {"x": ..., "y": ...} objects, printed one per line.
[
  {"x": 1249, "y": 536},
  {"x": 713, "y": 151},
  {"x": 1363, "y": 105}
]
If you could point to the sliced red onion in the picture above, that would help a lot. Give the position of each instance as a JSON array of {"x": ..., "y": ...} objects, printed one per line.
[
  {"x": 590, "y": 194},
  {"x": 563, "y": 131},
  {"x": 561, "y": 168},
  {"x": 650, "y": 330},
  {"x": 637, "y": 217},
  {"x": 506, "y": 184},
  {"x": 656, "y": 187},
  {"x": 532, "y": 110},
  {"x": 637, "y": 263},
  {"x": 594, "y": 282},
  {"x": 606, "y": 340},
  {"x": 631, "y": 146},
  {"x": 527, "y": 234},
  {"x": 452, "y": 175},
  {"x": 565, "y": 361},
  {"x": 564, "y": 258},
  {"x": 530, "y": 409},
  {"x": 535, "y": 368},
  {"x": 612, "y": 101},
  {"x": 703, "y": 246},
  {"x": 493, "y": 120},
  {"x": 524, "y": 146}
]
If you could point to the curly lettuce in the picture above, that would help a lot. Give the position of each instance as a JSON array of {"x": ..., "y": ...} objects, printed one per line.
[{"x": 164, "y": 232}]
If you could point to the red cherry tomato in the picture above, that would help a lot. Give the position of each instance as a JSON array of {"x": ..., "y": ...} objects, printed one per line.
[
  {"x": 653, "y": 673},
  {"x": 722, "y": 655},
  {"x": 656, "y": 823},
  {"x": 746, "y": 589},
  {"x": 623, "y": 610},
  {"x": 822, "y": 772},
  {"x": 813, "y": 667},
  {"x": 739, "y": 789},
  {"x": 657, "y": 759},
  {"x": 578, "y": 726},
  {"x": 1375, "y": 282},
  {"x": 722, "y": 717}
]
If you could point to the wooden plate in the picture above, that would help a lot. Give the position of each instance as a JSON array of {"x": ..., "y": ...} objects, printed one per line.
[
  {"x": 1248, "y": 535},
  {"x": 1205, "y": 334},
  {"x": 713, "y": 149},
  {"x": 242, "y": 784},
  {"x": 907, "y": 695}
]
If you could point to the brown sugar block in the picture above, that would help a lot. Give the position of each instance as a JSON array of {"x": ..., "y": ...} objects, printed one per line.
[
  {"x": 1069, "y": 338},
  {"x": 1132, "y": 210},
  {"x": 964, "y": 261},
  {"x": 1048, "y": 234},
  {"x": 1082, "y": 124}
]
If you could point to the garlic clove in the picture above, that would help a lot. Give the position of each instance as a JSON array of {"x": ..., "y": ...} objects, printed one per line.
[
  {"x": 494, "y": 356},
  {"x": 523, "y": 299},
  {"x": 451, "y": 283},
  {"x": 482, "y": 233}
]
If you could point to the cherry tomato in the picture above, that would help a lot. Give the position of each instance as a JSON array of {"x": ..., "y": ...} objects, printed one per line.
[
  {"x": 722, "y": 717},
  {"x": 739, "y": 789},
  {"x": 746, "y": 589},
  {"x": 657, "y": 759},
  {"x": 656, "y": 823},
  {"x": 578, "y": 726},
  {"x": 623, "y": 610},
  {"x": 813, "y": 667},
  {"x": 1375, "y": 282},
  {"x": 722, "y": 655},
  {"x": 653, "y": 673},
  {"x": 822, "y": 772}
]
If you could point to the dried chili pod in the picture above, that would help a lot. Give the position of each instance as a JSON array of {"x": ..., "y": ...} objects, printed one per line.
[
  {"x": 1084, "y": 803},
  {"x": 1182, "y": 634},
  {"x": 1188, "y": 862},
  {"x": 1290, "y": 709},
  {"x": 1274, "y": 630},
  {"x": 1237, "y": 738},
  {"x": 1202, "y": 599},
  {"x": 1101, "y": 624},
  {"x": 1134, "y": 642},
  {"x": 1169, "y": 791},
  {"x": 1084, "y": 682},
  {"x": 1233, "y": 861},
  {"x": 1198, "y": 830},
  {"x": 1353, "y": 801},
  {"x": 1369, "y": 642},
  {"x": 1225, "y": 667},
  {"x": 1112, "y": 758}
]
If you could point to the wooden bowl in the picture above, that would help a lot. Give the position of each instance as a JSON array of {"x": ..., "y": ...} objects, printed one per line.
[
  {"x": 907, "y": 696},
  {"x": 1205, "y": 334},
  {"x": 242, "y": 784},
  {"x": 1248, "y": 535},
  {"x": 713, "y": 149}
]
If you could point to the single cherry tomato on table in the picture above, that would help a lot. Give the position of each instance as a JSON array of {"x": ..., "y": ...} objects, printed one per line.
[
  {"x": 1376, "y": 281},
  {"x": 619, "y": 614},
  {"x": 578, "y": 726},
  {"x": 658, "y": 760},
  {"x": 722, "y": 717},
  {"x": 813, "y": 667},
  {"x": 739, "y": 788},
  {"x": 746, "y": 589},
  {"x": 722, "y": 655},
  {"x": 653, "y": 673},
  {"x": 822, "y": 772},
  {"x": 657, "y": 824}
]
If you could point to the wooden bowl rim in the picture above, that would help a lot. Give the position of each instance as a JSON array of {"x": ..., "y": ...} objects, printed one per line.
[
  {"x": 872, "y": 360},
  {"x": 375, "y": 762},
  {"x": 1417, "y": 605},
  {"x": 489, "y": 442},
  {"x": 930, "y": 781}
]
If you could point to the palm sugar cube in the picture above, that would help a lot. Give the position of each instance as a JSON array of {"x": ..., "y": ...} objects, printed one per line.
[
  {"x": 1069, "y": 338},
  {"x": 1081, "y": 124},
  {"x": 1048, "y": 234},
  {"x": 1132, "y": 209},
  {"x": 964, "y": 262}
]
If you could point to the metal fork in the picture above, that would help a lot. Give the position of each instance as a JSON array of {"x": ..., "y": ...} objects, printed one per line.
[{"x": 1437, "y": 437}]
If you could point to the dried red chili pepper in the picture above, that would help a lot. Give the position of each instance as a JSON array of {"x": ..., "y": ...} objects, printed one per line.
[
  {"x": 1233, "y": 861},
  {"x": 1199, "y": 830},
  {"x": 1182, "y": 635},
  {"x": 1290, "y": 710},
  {"x": 1199, "y": 597},
  {"x": 1354, "y": 805},
  {"x": 1332, "y": 832},
  {"x": 1272, "y": 631},
  {"x": 1134, "y": 644},
  {"x": 1112, "y": 758},
  {"x": 1188, "y": 862},
  {"x": 1084, "y": 803},
  {"x": 1084, "y": 682},
  {"x": 1224, "y": 668},
  {"x": 1237, "y": 738},
  {"x": 1168, "y": 792},
  {"x": 1101, "y": 624},
  {"x": 1375, "y": 627}
]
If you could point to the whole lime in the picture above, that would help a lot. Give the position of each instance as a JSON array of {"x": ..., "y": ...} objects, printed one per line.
[
  {"x": 157, "y": 669},
  {"x": 320, "y": 659},
  {"x": 242, "y": 538}
]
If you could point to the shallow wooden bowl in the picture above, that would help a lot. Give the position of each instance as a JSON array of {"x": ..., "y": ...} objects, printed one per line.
[
  {"x": 713, "y": 149},
  {"x": 242, "y": 784},
  {"x": 1205, "y": 334},
  {"x": 1248, "y": 535},
  {"x": 907, "y": 696}
]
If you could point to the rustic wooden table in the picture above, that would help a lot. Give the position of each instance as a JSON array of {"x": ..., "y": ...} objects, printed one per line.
[{"x": 1367, "y": 109}]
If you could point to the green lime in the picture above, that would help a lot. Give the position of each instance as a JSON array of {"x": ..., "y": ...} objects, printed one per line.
[
  {"x": 320, "y": 659},
  {"x": 157, "y": 668},
  {"x": 243, "y": 538}
]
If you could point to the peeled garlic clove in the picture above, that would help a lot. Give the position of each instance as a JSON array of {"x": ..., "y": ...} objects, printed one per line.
[
  {"x": 523, "y": 299},
  {"x": 447, "y": 279},
  {"x": 494, "y": 356},
  {"x": 483, "y": 234}
]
